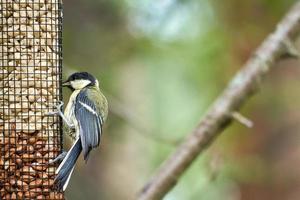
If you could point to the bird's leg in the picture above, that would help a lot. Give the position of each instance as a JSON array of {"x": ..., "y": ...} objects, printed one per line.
[
  {"x": 61, "y": 114},
  {"x": 59, "y": 158}
]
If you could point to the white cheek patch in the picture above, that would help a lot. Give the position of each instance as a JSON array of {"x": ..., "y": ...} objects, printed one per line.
[
  {"x": 79, "y": 84},
  {"x": 97, "y": 83}
]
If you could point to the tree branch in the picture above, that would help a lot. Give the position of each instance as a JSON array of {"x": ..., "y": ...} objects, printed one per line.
[{"x": 278, "y": 45}]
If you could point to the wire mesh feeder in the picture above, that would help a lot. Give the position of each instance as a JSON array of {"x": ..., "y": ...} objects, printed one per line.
[{"x": 30, "y": 77}]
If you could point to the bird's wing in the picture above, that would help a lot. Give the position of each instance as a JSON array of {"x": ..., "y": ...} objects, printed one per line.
[{"x": 90, "y": 123}]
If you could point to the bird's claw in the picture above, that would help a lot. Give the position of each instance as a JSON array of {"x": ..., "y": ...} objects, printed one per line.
[
  {"x": 51, "y": 113},
  {"x": 58, "y": 109},
  {"x": 59, "y": 158},
  {"x": 60, "y": 105},
  {"x": 40, "y": 164}
]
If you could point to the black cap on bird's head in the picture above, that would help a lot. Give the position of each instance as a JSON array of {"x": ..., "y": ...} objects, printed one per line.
[{"x": 80, "y": 80}]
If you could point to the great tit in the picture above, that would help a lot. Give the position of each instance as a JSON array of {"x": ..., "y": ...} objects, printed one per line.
[{"x": 83, "y": 118}]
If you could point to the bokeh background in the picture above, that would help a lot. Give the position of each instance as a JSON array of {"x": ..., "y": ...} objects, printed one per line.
[{"x": 161, "y": 64}]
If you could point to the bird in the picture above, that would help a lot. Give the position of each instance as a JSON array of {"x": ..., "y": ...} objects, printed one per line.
[{"x": 84, "y": 117}]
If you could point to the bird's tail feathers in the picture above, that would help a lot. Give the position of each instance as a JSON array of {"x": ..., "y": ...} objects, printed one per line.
[{"x": 65, "y": 169}]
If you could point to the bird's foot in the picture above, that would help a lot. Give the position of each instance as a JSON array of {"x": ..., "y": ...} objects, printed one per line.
[
  {"x": 59, "y": 158},
  {"x": 57, "y": 109}
]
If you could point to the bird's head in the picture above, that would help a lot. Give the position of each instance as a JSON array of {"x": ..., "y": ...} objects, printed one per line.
[{"x": 80, "y": 80}]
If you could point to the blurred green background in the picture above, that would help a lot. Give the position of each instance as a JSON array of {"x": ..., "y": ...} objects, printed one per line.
[{"x": 161, "y": 64}]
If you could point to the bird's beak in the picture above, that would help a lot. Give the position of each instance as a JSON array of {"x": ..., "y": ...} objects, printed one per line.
[{"x": 66, "y": 83}]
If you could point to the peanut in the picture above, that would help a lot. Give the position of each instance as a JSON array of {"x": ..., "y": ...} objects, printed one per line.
[{"x": 29, "y": 69}]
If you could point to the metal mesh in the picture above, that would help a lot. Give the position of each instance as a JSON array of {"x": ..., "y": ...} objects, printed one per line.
[{"x": 30, "y": 76}]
